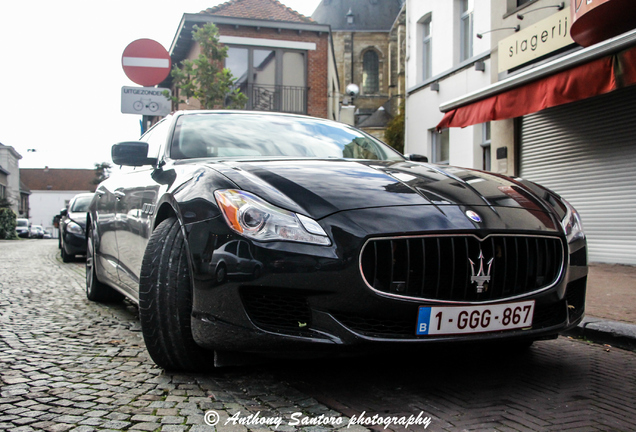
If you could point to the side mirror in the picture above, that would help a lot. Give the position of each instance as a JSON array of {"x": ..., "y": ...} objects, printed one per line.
[
  {"x": 416, "y": 158},
  {"x": 63, "y": 212},
  {"x": 131, "y": 153}
]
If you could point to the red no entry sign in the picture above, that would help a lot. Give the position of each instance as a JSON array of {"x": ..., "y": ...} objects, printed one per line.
[{"x": 146, "y": 62}]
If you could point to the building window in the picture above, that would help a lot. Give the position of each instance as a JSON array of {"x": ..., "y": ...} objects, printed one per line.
[
  {"x": 465, "y": 29},
  {"x": 514, "y": 5},
  {"x": 3, "y": 191},
  {"x": 427, "y": 48},
  {"x": 273, "y": 79},
  {"x": 349, "y": 17},
  {"x": 440, "y": 146},
  {"x": 370, "y": 72},
  {"x": 485, "y": 146}
]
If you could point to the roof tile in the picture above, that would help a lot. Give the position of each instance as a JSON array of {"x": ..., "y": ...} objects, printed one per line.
[
  {"x": 272, "y": 10},
  {"x": 56, "y": 179}
]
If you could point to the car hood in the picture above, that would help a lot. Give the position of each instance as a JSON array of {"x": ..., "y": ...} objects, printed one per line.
[{"x": 319, "y": 188}]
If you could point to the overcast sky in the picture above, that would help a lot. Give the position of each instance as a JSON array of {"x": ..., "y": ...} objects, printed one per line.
[{"x": 61, "y": 73}]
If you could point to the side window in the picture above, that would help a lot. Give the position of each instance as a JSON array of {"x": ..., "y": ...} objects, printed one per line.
[
  {"x": 156, "y": 138},
  {"x": 244, "y": 250},
  {"x": 231, "y": 247}
]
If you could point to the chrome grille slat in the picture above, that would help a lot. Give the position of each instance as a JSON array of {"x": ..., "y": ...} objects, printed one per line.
[{"x": 437, "y": 268}]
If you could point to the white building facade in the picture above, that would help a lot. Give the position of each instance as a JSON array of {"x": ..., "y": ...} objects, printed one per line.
[
  {"x": 445, "y": 59},
  {"x": 10, "y": 176},
  {"x": 45, "y": 205},
  {"x": 551, "y": 86}
]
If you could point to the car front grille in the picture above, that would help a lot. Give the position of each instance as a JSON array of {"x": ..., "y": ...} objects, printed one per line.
[{"x": 462, "y": 268}]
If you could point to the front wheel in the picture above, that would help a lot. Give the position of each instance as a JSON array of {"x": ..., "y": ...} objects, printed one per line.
[
  {"x": 165, "y": 302},
  {"x": 66, "y": 258}
]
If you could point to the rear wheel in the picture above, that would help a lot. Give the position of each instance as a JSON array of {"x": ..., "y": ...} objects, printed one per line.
[
  {"x": 165, "y": 302},
  {"x": 96, "y": 290}
]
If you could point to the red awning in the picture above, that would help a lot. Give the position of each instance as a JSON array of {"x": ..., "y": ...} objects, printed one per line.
[{"x": 590, "y": 79}]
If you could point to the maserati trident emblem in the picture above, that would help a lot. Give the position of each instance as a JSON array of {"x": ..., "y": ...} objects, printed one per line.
[
  {"x": 482, "y": 277},
  {"x": 473, "y": 216}
]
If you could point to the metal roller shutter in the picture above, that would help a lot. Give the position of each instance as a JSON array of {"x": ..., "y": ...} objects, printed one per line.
[{"x": 586, "y": 152}]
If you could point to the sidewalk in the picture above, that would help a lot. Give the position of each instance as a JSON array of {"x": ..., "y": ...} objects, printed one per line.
[{"x": 610, "y": 308}]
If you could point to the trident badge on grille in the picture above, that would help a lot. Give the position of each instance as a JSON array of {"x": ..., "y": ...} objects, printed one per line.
[{"x": 481, "y": 278}]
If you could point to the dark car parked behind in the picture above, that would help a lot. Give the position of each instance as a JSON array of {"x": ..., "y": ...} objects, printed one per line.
[{"x": 72, "y": 227}]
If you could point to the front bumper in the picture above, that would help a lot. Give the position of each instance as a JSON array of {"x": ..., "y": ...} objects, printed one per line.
[
  {"x": 314, "y": 299},
  {"x": 74, "y": 244}
]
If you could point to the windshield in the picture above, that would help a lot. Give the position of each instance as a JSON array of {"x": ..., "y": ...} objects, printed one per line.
[
  {"x": 227, "y": 135},
  {"x": 81, "y": 204},
  {"x": 22, "y": 222}
]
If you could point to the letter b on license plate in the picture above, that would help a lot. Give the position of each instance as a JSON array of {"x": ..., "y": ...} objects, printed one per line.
[{"x": 474, "y": 319}]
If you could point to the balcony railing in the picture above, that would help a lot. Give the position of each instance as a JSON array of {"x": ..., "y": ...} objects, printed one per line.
[{"x": 290, "y": 99}]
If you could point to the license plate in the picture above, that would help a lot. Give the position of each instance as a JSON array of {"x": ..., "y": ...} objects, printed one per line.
[{"x": 445, "y": 320}]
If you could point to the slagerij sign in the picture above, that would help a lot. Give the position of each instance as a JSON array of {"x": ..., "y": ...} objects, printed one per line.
[{"x": 542, "y": 38}]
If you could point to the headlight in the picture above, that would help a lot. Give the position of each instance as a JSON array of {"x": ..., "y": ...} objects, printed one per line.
[
  {"x": 74, "y": 228},
  {"x": 572, "y": 224},
  {"x": 257, "y": 219}
]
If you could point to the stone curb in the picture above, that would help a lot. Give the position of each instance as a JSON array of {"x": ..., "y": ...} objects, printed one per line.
[{"x": 614, "y": 333}]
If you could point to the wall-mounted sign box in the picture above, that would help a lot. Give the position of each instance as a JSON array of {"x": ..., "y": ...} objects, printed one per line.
[{"x": 544, "y": 37}]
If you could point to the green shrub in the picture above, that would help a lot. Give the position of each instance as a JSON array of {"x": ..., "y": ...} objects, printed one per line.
[
  {"x": 7, "y": 224},
  {"x": 394, "y": 133}
]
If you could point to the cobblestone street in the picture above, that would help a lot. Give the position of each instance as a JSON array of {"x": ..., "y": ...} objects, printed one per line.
[{"x": 70, "y": 364}]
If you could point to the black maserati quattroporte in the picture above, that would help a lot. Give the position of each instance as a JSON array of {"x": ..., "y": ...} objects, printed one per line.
[{"x": 250, "y": 232}]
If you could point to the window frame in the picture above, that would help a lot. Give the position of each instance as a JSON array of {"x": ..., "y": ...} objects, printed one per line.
[
  {"x": 486, "y": 147},
  {"x": 437, "y": 141},
  {"x": 427, "y": 47},
  {"x": 513, "y": 6},
  {"x": 278, "y": 59},
  {"x": 465, "y": 36},
  {"x": 365, "y": 88}
]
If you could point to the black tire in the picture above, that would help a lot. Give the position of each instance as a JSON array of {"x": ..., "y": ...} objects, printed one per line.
[
  {"x": 165, "y": 302},
  {"x": 95, "y": 290},
  {"x": 66, "y": 257},
  {"x": 221, "y": 273}
]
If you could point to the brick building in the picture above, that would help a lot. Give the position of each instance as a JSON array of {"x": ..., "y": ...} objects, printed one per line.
[{"x": 283, "y": 61}]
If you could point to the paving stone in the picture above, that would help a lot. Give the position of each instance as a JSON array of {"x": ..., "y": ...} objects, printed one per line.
[
  {"x": 116, "y": 424},
  {"x": 146, "y": 426},
  {"x": 172, "y": 420},
  {"x": 173, "y": 428},
  {"x": 144, "y": 418}
]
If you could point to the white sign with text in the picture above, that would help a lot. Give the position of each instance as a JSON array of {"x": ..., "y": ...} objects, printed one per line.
[{"x": 145, "y": 101}]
